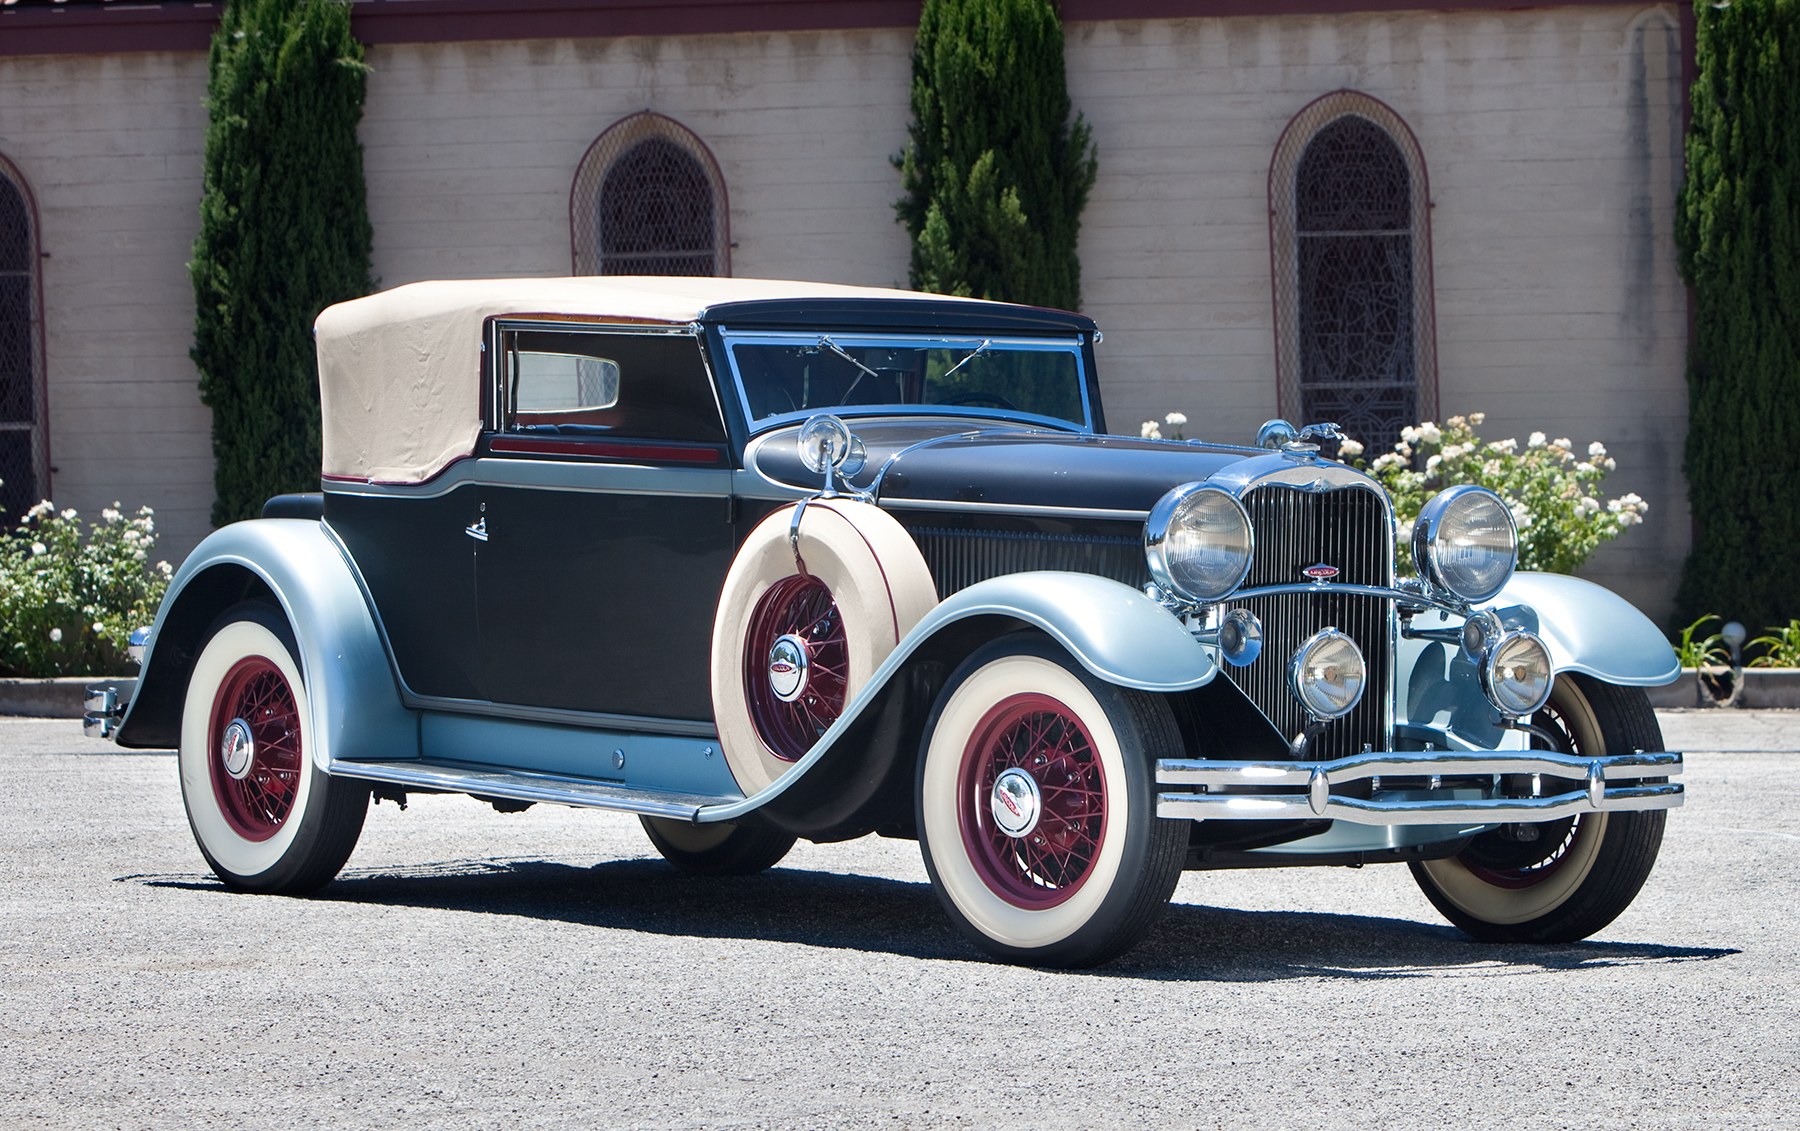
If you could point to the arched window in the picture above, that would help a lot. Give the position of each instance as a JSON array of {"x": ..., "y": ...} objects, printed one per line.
[
  {"x": 648, "y": 200},
  {"x": 24, "y": 448},
  {"x": 1351, "y": 235}
]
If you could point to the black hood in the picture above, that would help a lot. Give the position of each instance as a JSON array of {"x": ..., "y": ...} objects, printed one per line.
[{"x": 960, "y": 461}]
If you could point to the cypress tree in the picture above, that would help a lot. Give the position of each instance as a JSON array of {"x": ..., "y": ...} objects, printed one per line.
[
  {"x": 284, "y": 232},
  {"x": 1738, "y": 230},
  {"x": 995, "y": 173}
]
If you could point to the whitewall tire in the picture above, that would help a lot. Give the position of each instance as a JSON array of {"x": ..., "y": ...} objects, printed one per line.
[
  {"x": 264, "y": 816},
  {"x": 1036, "y": 806},
  {"x": 800, "y": 628},
  {"x": 1558, "y": 881}
]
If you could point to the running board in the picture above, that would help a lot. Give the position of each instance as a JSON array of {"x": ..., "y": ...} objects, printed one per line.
[{"x": 520, "y": 785}]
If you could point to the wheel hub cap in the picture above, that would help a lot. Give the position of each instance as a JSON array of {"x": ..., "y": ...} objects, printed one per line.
[
  {"x": 237, "y": 749},
  {"x": 788, "y": 668},
  {"x": 1016, "y": 803}
]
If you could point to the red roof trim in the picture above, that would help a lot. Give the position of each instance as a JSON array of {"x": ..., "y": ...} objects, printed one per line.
[{"x": 35, "y": 27}]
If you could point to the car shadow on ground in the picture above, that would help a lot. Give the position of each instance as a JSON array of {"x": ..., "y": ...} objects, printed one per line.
[{"x": 1191, "y": 942}]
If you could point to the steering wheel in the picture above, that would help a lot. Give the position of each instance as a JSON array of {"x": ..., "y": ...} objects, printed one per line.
[{"x": 994, "y": 399}]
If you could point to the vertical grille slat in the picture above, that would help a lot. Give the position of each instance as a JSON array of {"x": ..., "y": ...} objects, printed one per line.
[{"x": 1296, "y": 529}]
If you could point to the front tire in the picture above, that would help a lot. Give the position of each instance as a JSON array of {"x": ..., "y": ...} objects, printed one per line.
[
  {"x": 265, "y": 817},
  {"x": 1565, "y": 879},
  {"x": 1036, "y": 807}
]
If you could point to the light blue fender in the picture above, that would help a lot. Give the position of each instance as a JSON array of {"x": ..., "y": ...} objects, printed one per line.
[
  {"x": 353, "y": 698},
  {"x": 1115, "y": 631},
  {"x": 1588, "y": 629}
]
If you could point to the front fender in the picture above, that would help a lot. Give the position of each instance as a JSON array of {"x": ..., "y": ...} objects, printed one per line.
[
  {"x": 1589, "y": 629},
  {"x": 1115, "y": 631},
  {"x": 354, "y": 700}
]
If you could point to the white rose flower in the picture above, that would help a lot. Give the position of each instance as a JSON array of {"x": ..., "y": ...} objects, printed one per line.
[
  {"x": 1150, "y": 431},
  {"x": 56, "y": 636},
  {"x": 164, "y": 568},
  {"x": 1431, "y": 464},
  {"x": 1409, "y": 434},
  {"x": 1504, "y": 447},
  {"x": 1392, "y": 461},
  {"x": 43, "y": 508},
  {"x": 1535, "y": 440},
  {"x": 1477, "y": 419},
  {"x": 1521, "y": 515},
  {"x": 1349, "y": 449},
  {"x": 98, "y": 627},
  {"x": 38, "y": 548},
  {"x": 111, "y": 514},
  {"x": 1596, "y": 450},
  {"x": 69, "y": 515},
  {"x": 1430, "y": 433},
  {"x": 1175, "y": 418}
]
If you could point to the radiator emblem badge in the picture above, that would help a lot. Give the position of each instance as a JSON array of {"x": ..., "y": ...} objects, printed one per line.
[{"x": 1320, "y": 572}]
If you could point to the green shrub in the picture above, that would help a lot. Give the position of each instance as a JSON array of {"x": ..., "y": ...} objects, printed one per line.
[
  {"x": 284, "y": 233},
  {"x": 1780, "y": 647},
  {"x": 1738, "y": 229},
  {"x": 995, "y": 173},
  {"x": 69, "y": 601}
]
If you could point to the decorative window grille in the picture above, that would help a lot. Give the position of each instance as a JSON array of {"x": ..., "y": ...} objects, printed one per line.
[
  {"x": 24, "y": 447},
  {"x": 648, "y": 200},
  {"x": 1351, "y": 237}
]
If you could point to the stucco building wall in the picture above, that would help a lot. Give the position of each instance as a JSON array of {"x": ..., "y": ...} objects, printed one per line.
[{"x": 1550, "y": 137}]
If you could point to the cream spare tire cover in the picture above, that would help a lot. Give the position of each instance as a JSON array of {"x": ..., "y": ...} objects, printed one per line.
[{"x": 801, "y": 627}]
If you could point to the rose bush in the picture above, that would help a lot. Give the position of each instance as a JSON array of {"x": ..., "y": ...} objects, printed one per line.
[
  {"x": 69, "y": 599},
  {"x": 1554, "y": 493}
]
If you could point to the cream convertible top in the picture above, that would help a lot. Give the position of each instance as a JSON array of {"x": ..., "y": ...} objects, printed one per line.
[{"x": 400, "y": 371}]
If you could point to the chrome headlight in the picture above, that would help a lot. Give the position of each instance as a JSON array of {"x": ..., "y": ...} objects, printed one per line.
[
  {"x": 1198, "y": 543},
  {"x": 1327, "y": 675},
  {"x": 1465, "y": 542},
  {"x": 1516, "y": 675}
]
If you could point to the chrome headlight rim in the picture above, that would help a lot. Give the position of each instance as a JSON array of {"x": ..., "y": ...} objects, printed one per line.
[
  {"x": 1429, "y": 526},
  {"x": 1297, "y": 683},
  {"x": 1163, "y": 517},
  {"x": 1493, "y": 684}
]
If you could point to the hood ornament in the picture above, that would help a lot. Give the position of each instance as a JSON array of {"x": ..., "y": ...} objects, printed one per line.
[{"x": 1296, "y": 444}]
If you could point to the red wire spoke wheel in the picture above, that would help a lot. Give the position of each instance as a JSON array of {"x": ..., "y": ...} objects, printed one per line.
[
  {"x": 255, "y": 737},
  {"x": 796, "y": 665},
  {"x": 1036, "y": 805},
  {"x": 806, "y": 615},
  {"x": 1033, "y": 809},
  {"x": 265, "y": 817}
]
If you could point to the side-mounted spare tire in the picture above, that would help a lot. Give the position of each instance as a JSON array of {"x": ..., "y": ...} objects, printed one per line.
[{"x": 803, "y": 622}]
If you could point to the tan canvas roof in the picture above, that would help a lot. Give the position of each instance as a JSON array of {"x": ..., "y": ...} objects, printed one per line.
[{"x": 400, "y": 371}]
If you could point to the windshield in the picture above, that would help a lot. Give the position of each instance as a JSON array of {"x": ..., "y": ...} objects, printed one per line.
[{"x": 785, "y": 374}]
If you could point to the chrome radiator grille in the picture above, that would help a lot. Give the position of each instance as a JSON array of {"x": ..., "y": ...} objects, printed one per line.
[
  {"x": 959, "y": 558},
  {"x": 1295, "y": 529}
]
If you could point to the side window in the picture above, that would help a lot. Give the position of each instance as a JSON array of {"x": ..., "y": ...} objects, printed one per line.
[{"x": 572, "y": 384}]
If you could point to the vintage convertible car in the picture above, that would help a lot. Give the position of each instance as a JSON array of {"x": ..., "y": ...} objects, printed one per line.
[{"x": 758, "y": 560}]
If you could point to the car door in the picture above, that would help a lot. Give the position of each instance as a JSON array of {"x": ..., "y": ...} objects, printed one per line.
[{"x": 605, "y": 522}]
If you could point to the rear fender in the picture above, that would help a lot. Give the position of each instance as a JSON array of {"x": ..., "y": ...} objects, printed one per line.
[{"x": 297, "y": 564}]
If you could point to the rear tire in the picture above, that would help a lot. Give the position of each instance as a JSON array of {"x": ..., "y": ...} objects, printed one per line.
[
  {"x": 719, "y": 849},
  {"x": 1579, "y": 873},
  {"x": 265, "y": 817}
]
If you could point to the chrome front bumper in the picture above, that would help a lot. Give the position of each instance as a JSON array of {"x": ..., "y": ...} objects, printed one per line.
[{"x": 1261, "y": 791}]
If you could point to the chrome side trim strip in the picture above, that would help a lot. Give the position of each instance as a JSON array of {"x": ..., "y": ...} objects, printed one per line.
[
  {"x": 1012, "y": 508},
  {"x": 555, "y": 475},
  {"x": 455, "y": 777},
  {"x": 1312, "y": 783},
  {"x": 630, "y": 724}
]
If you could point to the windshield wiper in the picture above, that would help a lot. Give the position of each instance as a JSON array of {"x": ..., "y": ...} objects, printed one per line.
[
  {"x": 825, "y": 340},
  {"x": 986, "y": 344}
]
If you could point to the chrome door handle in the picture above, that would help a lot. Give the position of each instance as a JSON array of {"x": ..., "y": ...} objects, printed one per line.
[{"x": 477, "y": 531}]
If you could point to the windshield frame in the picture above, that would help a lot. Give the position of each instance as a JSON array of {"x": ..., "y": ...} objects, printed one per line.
[{"x": 1071, "y": 344}]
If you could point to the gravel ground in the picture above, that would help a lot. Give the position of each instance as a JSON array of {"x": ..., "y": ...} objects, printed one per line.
[{"x": 544, "y": 969}]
